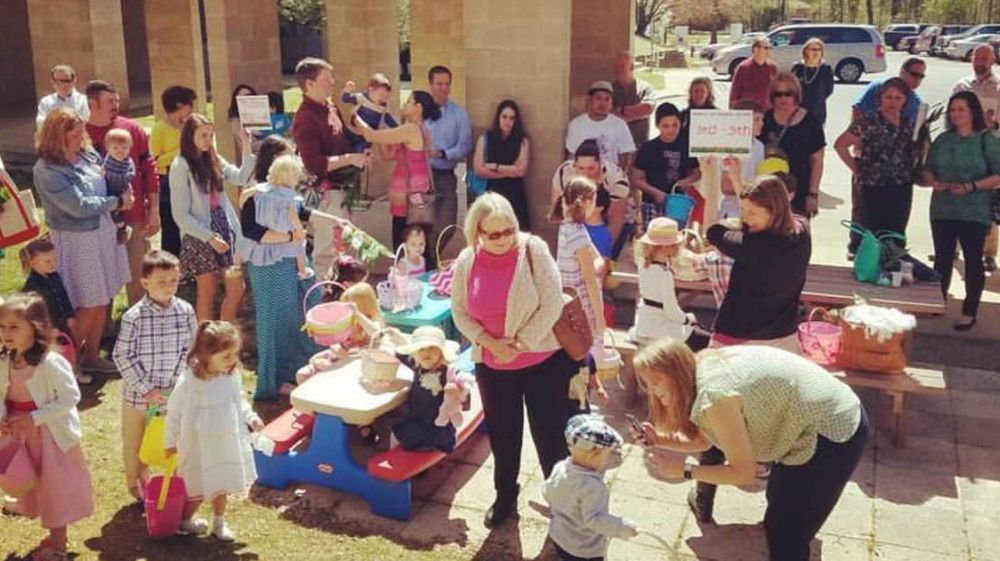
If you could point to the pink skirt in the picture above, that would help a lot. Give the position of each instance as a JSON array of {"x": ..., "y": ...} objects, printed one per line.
[{"x": 64, "y": 493}]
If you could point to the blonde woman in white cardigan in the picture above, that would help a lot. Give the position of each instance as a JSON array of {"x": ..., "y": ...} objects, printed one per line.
[
  {"x": 38, "y": 397},
  {"x": 209, "y": 225},
  {"x": 506, "y": 297}
]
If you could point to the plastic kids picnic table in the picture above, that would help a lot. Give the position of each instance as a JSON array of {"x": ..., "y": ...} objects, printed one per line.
[
  {"x": 338, "y": 399},
  {"x": 434, "y": 309}
]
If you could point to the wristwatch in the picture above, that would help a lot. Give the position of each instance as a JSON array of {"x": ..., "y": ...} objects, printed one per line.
[{"x": 688, "y": 471}]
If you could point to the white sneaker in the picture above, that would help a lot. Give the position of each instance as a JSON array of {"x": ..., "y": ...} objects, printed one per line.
[
  {"x": 196, "y": 526},
  {"x": 221, "y": 531}
]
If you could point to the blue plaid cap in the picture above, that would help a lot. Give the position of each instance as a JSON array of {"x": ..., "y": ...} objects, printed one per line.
[{"x": 592, "y": 432}]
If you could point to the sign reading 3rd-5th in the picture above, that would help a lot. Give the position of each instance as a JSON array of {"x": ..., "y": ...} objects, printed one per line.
[{"x": 720, "y": 133}]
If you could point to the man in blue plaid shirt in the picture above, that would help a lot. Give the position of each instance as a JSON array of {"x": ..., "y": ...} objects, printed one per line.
[{"x": 152, "y": 346}]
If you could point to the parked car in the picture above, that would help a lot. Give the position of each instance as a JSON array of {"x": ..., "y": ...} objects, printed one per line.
[
  {"x": 962, "y": 49},
  {"x": 906, "y": 43},
  {"x": 851, "y": 50},
  {"x": 946, "y": 37},
  {"x": 894, "y": 34},
  {"x": 928, "y": 39},
  {"x": 708, "y": 51}
]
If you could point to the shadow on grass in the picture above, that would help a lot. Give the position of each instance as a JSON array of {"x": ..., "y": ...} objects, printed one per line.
[
  {"x": 120, "y": 541},
  {"x": 315, "y": 507}
]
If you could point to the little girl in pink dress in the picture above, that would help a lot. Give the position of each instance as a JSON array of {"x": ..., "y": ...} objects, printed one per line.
[{"x": 38, "y": 397}]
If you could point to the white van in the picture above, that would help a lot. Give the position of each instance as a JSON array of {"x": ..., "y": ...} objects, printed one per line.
[{"x": 851, "y": 50}]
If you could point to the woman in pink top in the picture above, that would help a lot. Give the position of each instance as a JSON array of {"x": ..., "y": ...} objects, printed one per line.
[
  {"x": 408, "y": 144},
  {"x": 506, "y": 297}
]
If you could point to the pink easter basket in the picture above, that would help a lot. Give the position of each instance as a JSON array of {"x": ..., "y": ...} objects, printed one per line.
[
  {"x": 65, "y": 346},
  {"x": 329, "y": 323},
  {"x": 820, "y": 340},
  {"x": 164, "y": 498},
  {"x": 17, "y": 473},
  {"x": 400, "y": 292},
  {"x": 442, "y": 279}
]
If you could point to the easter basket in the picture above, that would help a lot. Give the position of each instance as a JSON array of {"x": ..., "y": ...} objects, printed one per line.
[{"x": 399, "y": 292}]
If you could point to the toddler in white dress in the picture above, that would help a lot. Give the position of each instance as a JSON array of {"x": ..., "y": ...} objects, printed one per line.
[{"x": 208, "y": 425}]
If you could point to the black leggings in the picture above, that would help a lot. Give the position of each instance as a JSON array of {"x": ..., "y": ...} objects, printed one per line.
[
  {"x": 170, "y": 238},
  {"x": 542, "y": 389},
  {"x": 886, "y": 207},
  {"x": 972, "y": 236}
]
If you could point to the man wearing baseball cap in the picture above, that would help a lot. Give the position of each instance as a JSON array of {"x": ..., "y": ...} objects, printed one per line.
[{"x": 610, "y": 131}]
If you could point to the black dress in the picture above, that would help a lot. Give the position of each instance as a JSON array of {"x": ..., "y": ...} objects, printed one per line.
[
  {"x": 799, "y": 142},
  {"x": 416, "y": 430},
  {"x": 505, "y": 152}
]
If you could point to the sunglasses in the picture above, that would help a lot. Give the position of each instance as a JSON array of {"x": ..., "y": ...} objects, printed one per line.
[
  {"x": 499, "y": 234},
  {"x": 917, "y": 75},
  {"x": 783, "y": 94}
]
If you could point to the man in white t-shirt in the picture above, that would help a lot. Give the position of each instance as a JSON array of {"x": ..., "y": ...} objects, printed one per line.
[
  {"x": 611, "y": 132},
  {"x": 985, "y": 84},
  {"x": 64, "y": 94}
]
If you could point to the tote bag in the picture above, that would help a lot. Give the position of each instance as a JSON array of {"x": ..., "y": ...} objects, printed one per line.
[{"x": 18, "y": 220}]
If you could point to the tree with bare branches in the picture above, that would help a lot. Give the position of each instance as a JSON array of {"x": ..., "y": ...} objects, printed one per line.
[{"x": 647, "y": 12}]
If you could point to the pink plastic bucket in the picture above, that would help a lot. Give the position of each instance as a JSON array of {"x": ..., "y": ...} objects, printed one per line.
[
  {"x": 17, "y": 473},
  {"x": 820, "y": 340},
  {"x": 329, "y": 323},
  {"x": 163, "y": 514}
]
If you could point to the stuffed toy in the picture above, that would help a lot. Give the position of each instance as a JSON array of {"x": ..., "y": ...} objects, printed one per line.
[
  {"x": 320, "y": 362},
  {"x": 456, "y": 391}
]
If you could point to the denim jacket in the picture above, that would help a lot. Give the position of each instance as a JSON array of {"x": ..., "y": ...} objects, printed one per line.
[
  {"x": 69, "y": 196},
  {"x": 192, "y": 208}
]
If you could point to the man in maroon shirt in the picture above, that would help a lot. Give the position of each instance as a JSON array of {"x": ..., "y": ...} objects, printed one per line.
[
  {"x": 753, "y": 76},
  {"x": 318, "y": 130},
  {"x": 144, "y": 216}
]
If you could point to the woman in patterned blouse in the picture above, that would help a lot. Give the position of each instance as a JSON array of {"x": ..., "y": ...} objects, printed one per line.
[
  {"x": 756, "y": 404},
  {"x": 879, "y": 150}
]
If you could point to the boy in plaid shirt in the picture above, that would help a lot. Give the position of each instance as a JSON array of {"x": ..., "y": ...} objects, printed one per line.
[{"x": 152, "y": 346}]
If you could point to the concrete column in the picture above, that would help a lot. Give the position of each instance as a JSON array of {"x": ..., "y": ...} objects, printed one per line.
[
  {"x": 86, "y": 34},
  {"x": 437, "y": 36},
  {"x": 173, "y": 31},
  {"x": 526, "y": 59},
  {"x": 601, "y": 29},
  {"x": 243, "y": 48},
  {"x": 362, "y": 39}
]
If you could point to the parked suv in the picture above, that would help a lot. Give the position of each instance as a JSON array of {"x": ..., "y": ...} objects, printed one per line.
[
  {"x": 894, "y": 34},
  {"x": 946, "y": 38},
  {"x": 927, "y": 41},
  {"x": 851, "y": 50}
]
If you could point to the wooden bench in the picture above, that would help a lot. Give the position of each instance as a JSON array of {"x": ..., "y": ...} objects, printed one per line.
[
  {"x": 917, "y": 380},
  {"x": 833, "y": 286},
  {"x": 398, "y": 465}
]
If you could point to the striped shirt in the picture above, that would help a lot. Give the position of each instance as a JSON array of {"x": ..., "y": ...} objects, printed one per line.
[
  {"x": 152, "y": 347},
  {"x": 118, "y": 174},
  {"x": 572, "y": 238}
]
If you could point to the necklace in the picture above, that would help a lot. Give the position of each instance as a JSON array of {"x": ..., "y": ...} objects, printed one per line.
[{"x": 805, "y": 74}]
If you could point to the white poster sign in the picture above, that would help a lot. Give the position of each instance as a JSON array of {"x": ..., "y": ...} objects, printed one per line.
[
  {"x": 255, "y": 112},
  {"x": 721, "y": 133}
]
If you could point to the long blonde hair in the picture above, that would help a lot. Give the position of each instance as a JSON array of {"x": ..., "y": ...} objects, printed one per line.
[
  {"x": 674, "y": 365},
  {"x": 363, "y": 295}
]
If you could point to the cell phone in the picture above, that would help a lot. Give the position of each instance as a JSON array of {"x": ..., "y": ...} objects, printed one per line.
[{"x": 632, "y": 420}]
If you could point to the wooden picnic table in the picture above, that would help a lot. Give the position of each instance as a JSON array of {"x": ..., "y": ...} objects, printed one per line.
[{"x": 835, "y": 286}]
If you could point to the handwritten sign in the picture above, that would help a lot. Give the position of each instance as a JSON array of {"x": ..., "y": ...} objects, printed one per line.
[
  {"x": 721, "y": 133},
  {"x": 255, "y": 112}
]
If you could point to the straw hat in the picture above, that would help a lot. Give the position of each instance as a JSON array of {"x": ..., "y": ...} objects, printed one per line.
[
  {"x": 428, "y": 336},
  {"x": 662, "y": 231}
]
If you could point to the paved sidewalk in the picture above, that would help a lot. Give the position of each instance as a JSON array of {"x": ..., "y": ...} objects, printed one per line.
[{"x": 935, "y": 500}]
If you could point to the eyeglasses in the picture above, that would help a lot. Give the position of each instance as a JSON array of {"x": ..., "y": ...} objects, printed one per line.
[
  {"x": 499, "y": 234},
  {"x": 917, "y": 75},
  {"x": 783, "y": 94}
]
